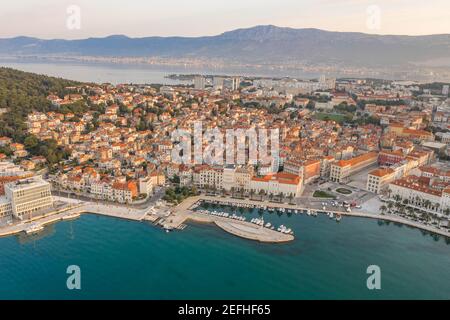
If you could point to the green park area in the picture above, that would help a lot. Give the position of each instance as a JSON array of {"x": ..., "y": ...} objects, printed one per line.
[
  {"x": 343, "y": 191},
  {"x": 323, "y": 194},
  {"x": 339, "y": 118}
]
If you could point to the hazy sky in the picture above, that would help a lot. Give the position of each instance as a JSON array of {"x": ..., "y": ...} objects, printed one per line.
[{"x": 48, "y": 18}]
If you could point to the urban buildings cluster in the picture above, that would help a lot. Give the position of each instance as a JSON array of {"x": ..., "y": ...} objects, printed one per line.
[{"x": 120, "y": 145}]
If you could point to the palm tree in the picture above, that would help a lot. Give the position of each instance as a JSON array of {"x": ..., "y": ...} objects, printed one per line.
[
  {"x": 437, "y": 206},
  {"x": 383, "y": 209},
  {"x": 410, "y": 211},
  {"x": 447, "y": 211},
  {"x": 390, "y": 206},
  {"x": 291, "y": 197},
  {"x": 418, "y": 200}
]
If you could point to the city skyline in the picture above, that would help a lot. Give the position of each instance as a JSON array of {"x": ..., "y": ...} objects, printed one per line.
[{"x": 48, "y": 19}]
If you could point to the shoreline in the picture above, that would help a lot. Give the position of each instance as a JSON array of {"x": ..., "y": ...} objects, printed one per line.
[
  {"x": 390, "y": 218},
  {"x": 183, "y": 212}
]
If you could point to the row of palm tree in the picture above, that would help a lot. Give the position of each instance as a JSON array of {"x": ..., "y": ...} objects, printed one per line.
[
  {"x": 240, "y": 192},
  {"x": 406, "y": 206}
]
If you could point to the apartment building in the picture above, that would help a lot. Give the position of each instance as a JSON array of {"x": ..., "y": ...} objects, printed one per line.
[
  {"x": 28, "y": 196},
  {"x": 342, "y": 169},
  {"x": 279, "y": 183},
  {"x": 205, "y": 176},
  {"x": 325, "y": 166},
  {"x": 418, "y": 192},
  {"x": 146, "y": 185},
  {"x": 308, "y": 170},
  {"x": 124, "y": 192},
  {"x": 379, "y": 178}
]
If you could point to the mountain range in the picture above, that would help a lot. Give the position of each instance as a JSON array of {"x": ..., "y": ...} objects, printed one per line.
[{"x": 257, "y": 45}]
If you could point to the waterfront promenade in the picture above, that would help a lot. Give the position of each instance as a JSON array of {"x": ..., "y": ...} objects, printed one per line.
[
  {"x": 51, "y": 217},
  {"x": 175, "y": 217},
  {"x": 182, "y": 212},
  {"x": 76, "y": 208}
]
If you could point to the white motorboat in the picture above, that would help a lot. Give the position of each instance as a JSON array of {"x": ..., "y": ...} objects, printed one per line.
[{"x": 34, "y": 228}]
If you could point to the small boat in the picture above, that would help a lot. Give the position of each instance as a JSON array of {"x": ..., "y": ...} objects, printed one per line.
[
  {"x": 331, "y": 215},
  {"x": 338, "y": 217},
  {"x": 34, "y": 228},
  {"x": 268, "y": 225},
  {"x": 308, "y": 212}
]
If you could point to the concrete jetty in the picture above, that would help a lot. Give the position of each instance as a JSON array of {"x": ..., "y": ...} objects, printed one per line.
[
  {"x": 243, "y": 229},
  {"x": 182, "y": 213}
]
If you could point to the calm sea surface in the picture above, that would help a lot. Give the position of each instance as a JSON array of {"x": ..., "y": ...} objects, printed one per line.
[
  {"x": 133, "y": 73},
  {"x": 125, "y": 260}
]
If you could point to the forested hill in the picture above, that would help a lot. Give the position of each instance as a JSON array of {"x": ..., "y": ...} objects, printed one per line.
[{"x": 24, "y": 92}]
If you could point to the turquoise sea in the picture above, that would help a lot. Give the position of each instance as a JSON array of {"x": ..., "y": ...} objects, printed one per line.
[{"x": 132, "y": 260}]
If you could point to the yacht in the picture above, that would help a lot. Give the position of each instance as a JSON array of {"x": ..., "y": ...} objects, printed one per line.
[{"x": 34, "y": 228}]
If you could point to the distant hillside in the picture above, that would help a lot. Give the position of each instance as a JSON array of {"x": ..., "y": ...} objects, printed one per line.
[{"x": 261, "y": 44}]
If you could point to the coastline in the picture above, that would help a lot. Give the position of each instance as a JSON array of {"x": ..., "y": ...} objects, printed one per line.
[
  {"x": 183, "y": 212},
  {"x": 391, "y": 218}
]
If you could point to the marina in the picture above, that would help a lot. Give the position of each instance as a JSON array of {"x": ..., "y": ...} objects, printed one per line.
[{"x": 186, "y": 211}]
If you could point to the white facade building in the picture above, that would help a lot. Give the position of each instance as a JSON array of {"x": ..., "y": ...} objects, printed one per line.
[{"x": 28, "y": 196}]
